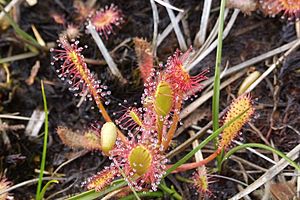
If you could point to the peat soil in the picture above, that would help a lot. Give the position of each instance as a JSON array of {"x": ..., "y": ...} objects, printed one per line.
[{"x": 251, "y": 36}]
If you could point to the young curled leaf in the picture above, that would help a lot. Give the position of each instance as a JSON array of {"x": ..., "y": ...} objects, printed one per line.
[
  {"x": 163, "y": 99},
  {"x": 108, "y": 137}
]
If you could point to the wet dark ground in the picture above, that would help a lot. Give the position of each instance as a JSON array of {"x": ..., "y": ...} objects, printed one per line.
[{"x": 239, "y": 46}]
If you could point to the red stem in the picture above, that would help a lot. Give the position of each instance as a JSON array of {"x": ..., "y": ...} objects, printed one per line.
[
  {"x": 193, "y": 165},
  {"x": 173, "y": 127}
]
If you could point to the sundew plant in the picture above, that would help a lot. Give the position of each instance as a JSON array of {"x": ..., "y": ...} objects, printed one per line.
[
  {"x": 137, "y": 150},
  {"x": 137, "y": 142},
  {"x": 155, "y": 99}
]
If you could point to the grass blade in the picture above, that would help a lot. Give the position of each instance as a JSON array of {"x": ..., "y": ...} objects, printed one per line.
[
  {"x": 144, "y": 194},
  {"x": 38, "y": 191},
  {"x": 261, "y": 146},
  {"x": 22, "y": 33},
  {"x": 216, "y": 95},
  {"x": 41, "y": 195},
  {"x": 92, "y": 194}
]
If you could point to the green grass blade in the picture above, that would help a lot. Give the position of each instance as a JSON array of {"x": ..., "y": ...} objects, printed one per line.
[
  {"x": 216, "y": 89},
  {"x": 41, "y": 195},
  {"x": 22, "y": 33},
  {"x": 261, "y": 146},
  {"x": 45, "y": 143},
  {"x": 171, "y": 192},
  {"x": 151, "y": 195},
  {"x": 92, "y": 194},
  {"x": 216, "y": 94}
]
